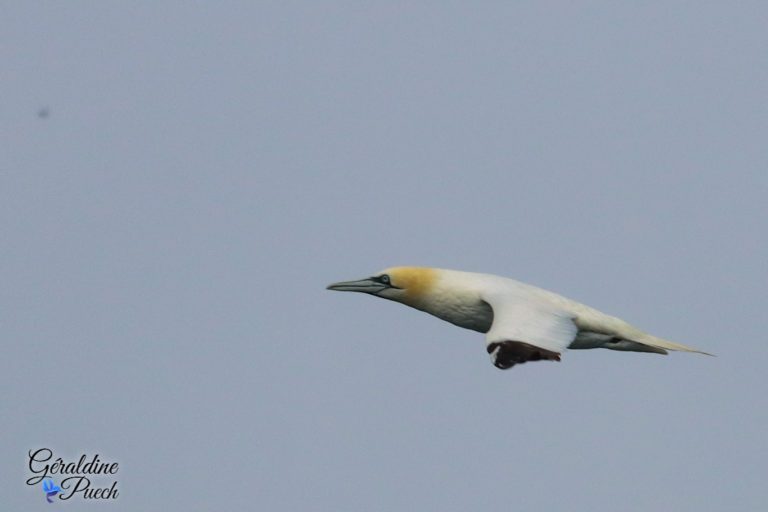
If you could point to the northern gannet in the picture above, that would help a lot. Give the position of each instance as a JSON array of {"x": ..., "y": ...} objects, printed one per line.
[{"x": 521, "y": 322}]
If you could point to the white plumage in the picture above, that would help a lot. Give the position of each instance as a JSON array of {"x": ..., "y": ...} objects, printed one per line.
[{"x": 522, "y": 322}]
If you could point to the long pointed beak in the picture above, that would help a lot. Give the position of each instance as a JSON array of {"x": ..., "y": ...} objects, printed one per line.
[{"x": 361, "y": 285}]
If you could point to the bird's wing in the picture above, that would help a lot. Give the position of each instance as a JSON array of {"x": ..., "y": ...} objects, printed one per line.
[{"x": 526, "y": 328}]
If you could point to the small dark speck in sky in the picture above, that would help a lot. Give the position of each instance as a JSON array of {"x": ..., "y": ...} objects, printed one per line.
[{"x": 43, "y": 113}]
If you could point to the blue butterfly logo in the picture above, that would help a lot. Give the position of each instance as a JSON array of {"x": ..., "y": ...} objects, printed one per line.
[{"x": 50, "y": 489}]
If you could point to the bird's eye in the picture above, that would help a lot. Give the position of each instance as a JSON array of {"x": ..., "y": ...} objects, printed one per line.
[{"x": 384, "y": 279}]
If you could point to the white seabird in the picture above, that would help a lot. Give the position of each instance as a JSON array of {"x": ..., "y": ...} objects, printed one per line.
[{"x": 521, "y": 322}]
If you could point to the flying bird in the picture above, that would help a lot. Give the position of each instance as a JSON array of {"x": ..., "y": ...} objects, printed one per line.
[{"x": 521, "y": 322}]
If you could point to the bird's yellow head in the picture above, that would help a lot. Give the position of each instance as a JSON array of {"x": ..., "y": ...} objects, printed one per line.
[{"x": 409, "y": 285}]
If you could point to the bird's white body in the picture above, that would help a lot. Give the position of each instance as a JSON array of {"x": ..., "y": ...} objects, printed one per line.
[
  {"x": 457, "y": 297},
  {"x": 522, "y": 322}
]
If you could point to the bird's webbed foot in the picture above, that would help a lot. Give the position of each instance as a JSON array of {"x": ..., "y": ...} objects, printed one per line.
[{"x": 506, "y": 354}]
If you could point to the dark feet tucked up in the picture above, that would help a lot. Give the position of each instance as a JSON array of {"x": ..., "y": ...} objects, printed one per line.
[{"x": 506, "y": 354}]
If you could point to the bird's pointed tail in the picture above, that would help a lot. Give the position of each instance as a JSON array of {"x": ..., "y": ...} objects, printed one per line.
[{"x": 662, "y": 344}]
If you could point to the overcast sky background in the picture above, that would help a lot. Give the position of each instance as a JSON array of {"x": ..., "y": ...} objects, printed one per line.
[{"x": 205, "y": 170}]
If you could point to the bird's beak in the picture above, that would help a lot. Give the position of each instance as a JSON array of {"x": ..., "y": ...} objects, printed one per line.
[{"x": 362, "y": 285}]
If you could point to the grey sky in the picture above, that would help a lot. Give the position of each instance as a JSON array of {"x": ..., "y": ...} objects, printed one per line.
[{"x": 206, "y": 169}]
